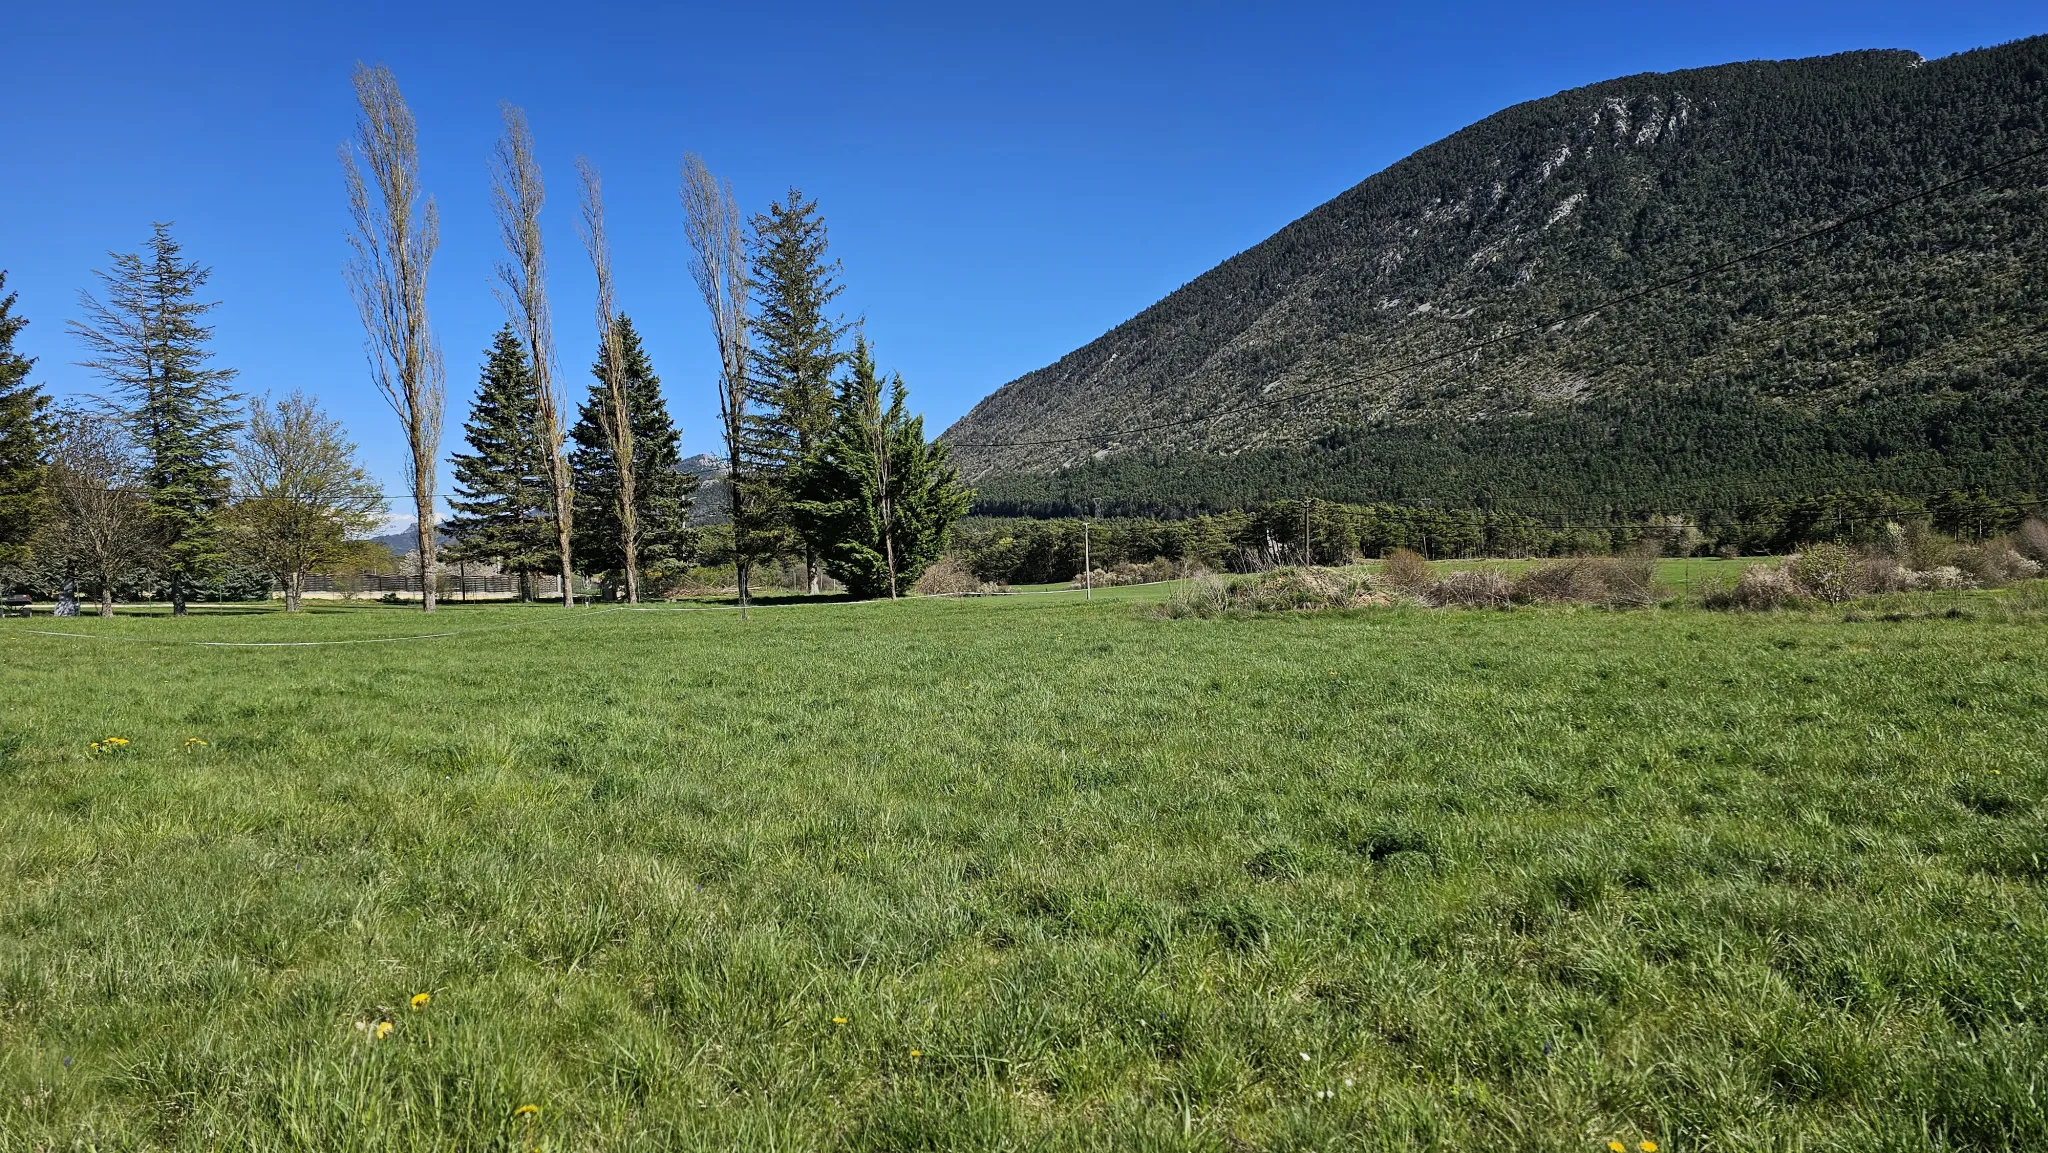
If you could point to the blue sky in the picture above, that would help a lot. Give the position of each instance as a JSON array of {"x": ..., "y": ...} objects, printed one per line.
[{"x": 1002, "y": 183}]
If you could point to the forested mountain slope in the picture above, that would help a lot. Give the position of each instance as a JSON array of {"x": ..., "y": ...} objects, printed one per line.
[{"x": 1907, "y": 351}]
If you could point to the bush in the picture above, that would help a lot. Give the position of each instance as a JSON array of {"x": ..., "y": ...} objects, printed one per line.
[
  {"x": 1405, "y": 571},
  {"x": 1759, "y": 588},
  {"x": 1588, "y": 580},
  {"x": 1469, "y": 588},
  {"x": 1827, "y": 571},
  {"x": 1282, "y": 590},
  {"x": 1151, "y": 572},
  {"x": 951, "y": 578},
  {"x": 2032, "y": 540}
]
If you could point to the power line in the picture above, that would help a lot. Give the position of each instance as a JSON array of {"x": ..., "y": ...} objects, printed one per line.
[{"x": 1534, "y": 328}]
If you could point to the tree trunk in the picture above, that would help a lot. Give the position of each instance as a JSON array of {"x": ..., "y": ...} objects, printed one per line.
[
  {"x": 811, "y": 568},
  {"x": 742, "y": 566},
  {"x": 562, "y": 523},
  {"x": 294, "y": 584},
  {"x": 67, "y": 597},
  {"x": 423, "y": 507},
  {"x": 177, "y": 594}
]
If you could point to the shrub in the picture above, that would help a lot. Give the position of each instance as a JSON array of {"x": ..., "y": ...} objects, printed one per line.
[
  {"x": 951, "y": 578},
  {"x": 2032, "y": 540},
  {"x": 1405, "y": 570},
  {"x": 1282, "y": 590},
  {"x": 1470, "y": 588},
  {"x": 1759, "y": 588},
  {"x": 1827, "y": 571},
  {"x": 1204, "y": 596},
  {"x": 1588, "y": 580},
  {"x": 1151, "y": 572}
]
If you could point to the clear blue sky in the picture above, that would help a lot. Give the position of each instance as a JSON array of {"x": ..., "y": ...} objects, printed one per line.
[{"x": 1003, "y": 183}]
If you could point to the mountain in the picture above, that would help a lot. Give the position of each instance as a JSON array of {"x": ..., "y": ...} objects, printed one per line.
[{"x": 1907, "y": 351}]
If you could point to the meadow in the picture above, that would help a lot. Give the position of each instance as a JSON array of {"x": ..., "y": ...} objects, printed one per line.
[{"x": 1025, "y": 873}]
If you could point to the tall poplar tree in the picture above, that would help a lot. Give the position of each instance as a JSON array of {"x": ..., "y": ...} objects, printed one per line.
[
  {"x": 876, "y": 499},
  {"x": 796, "y": 345},
  {"x": 663, "y": 493},
  {"x": 503, "y": 503},
  {"x": 21, "y": 439},
  {"x": 147, "y": 340}
]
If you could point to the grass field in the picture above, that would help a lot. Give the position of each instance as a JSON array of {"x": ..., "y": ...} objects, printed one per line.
[{"x": 1025, "y": 873}]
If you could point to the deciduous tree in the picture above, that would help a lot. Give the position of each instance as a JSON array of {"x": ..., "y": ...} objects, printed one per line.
[
  {"x": 718, "y": 265},
  {"x": 396, "y": 230},
  {"x": 518, "y": 193},
  {"x": 300, "y": 492},
  {"x": 99, "y": 526}
]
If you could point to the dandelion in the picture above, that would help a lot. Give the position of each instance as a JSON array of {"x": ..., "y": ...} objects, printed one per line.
[
  {"x": 117, "y": 742},
  {"x": 839, "y": 1020},
  {"x": 419, "y": 1001},
  {"x": 383, "y": 1029},
  {"x": 1616, "y": 1147},
  {"x": 194, "y": 743},
  {"x": 526, "y": 1111},
  {"x": 1647, "y": 1146},
  {"x": 916, "y": 1053}
]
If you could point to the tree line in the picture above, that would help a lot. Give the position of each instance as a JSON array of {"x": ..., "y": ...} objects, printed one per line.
[
  {"x": 177, "y": 477},
  {"x": 1323, "y": 532}
]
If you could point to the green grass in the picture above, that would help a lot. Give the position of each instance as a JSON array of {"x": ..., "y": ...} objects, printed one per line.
[{"x": 1532, "y": 880}]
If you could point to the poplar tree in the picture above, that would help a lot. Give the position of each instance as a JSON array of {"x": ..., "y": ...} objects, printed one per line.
[
  {"x": 876, "y": 500},
  {"x": 21, "y": 439},
  {"x": 796, "y": 351},
  {"x": 663, "y": 494},
  {"x": 503, "y": 503},
  {"x": 147, "y": 340}
]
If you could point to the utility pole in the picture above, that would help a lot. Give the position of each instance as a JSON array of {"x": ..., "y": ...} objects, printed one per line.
[{"x": 1087, "y": 565}]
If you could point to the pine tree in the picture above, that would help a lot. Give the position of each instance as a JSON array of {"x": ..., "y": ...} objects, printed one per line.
[
  {"x": 503, "y": 504},
  {"x": 876, "y": 499},
  {"x": 796, "y": 344},
  {"x": 147, "y": 340},
  {"x": 21, "y": 440},
  {"x": 663, "y": 492}
]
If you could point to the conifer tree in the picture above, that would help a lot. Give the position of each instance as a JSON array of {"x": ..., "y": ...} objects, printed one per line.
[
  {"x": 796, "y": 344},
  {"x": 663, "y": 493},
  {"x": 876, "y": 499},
  {"x": 21, "y": 440},
  {"x": 503, "y": 503},
  {"x": 147, "y": 339}
]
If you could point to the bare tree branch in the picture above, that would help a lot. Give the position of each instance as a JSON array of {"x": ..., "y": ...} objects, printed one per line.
[
  {"x": 711, "y": 222},
  {"x": 616, "y": 419},
  {"x": 517, "y": 194},
  {"x": 396, "y": 230}
]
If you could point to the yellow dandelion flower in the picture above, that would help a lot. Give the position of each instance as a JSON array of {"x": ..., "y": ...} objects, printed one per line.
[
  {"x": 117, "y": 741},
  {"x": 194, "y": 743},
  {"x": 916, "y": 1053},
  {"x": 839, "y": 1020},
  {"x": 383, "y": 1029},
  {"x": 419, "y": 1001},
  {"x": 1647, "y": 1146},
  {"x": 526, "y": 1111},
  {"x": 1617, "y": 1147}
]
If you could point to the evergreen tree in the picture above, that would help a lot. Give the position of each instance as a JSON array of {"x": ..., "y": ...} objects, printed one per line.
[
  {"x": 21, "y": 447},
  {"x": 663, "y": 492},
  {"x": 503, "y": 504},
  {"x": 876, "y": 499},
  {"x": 147, "y": 339},
  {"x": 795, "y": 345}
]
